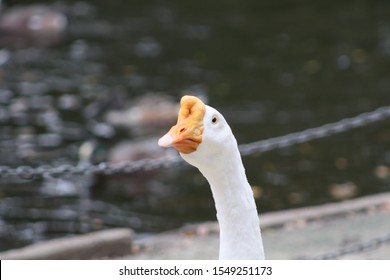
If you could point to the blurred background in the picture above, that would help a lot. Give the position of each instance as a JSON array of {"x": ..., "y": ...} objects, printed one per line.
[{"x": 97, "y": 81}]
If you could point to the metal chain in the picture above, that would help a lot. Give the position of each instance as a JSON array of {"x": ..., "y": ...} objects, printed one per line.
[
  {"x": 316, "y": 133},
  {"x": 28, "y": 172},
  {"x": 351, "y": 249}
]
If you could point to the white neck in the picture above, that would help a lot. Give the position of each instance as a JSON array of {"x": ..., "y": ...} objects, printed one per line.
[{"x": 240, "y": 236}]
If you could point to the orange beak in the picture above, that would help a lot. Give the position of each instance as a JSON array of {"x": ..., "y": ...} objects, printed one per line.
[{"x": 186, "y": 135}]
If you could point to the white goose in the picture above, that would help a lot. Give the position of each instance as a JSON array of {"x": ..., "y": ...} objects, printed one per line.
[{"x": 205, "y": 140}]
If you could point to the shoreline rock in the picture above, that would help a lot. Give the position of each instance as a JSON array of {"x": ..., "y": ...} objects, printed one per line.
[{"x": 96, "y": 245}]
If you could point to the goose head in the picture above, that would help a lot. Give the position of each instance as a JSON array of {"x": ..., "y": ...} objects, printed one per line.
[{"x": 201, "y": 135}]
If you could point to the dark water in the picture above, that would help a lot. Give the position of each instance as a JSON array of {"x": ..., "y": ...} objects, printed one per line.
[{"x": 270, "y": 68}]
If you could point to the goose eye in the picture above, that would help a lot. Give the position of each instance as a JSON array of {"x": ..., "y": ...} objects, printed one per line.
[{"x": 214, "y": 119}]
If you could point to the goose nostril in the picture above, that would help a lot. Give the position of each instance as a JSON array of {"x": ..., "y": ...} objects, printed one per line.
[{"x": 182, "y": 130}]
